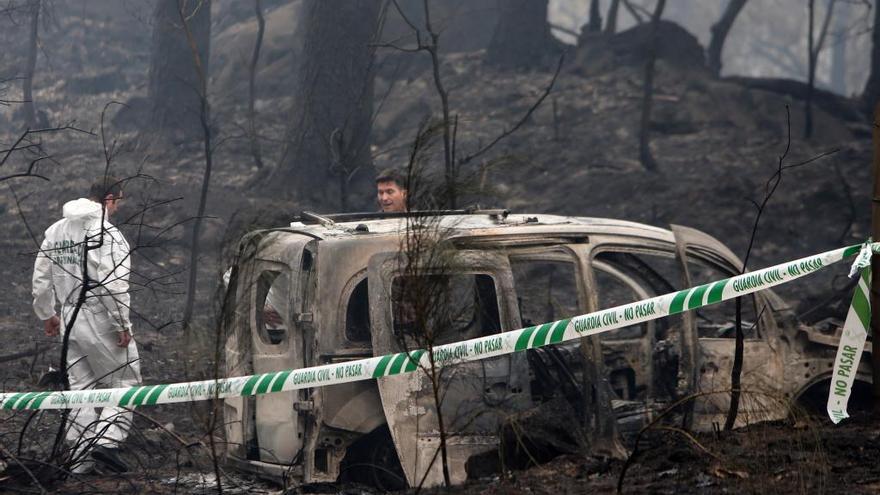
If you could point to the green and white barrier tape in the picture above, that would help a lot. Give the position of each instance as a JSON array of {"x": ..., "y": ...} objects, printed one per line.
[
  {"x": 444, "y": 355},
  {"x": 852, "y": 339}
]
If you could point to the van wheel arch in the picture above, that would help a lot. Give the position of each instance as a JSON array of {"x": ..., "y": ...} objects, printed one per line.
[
  {"x": 372, "y": 459},
  {"x": 813, "y": 397}
]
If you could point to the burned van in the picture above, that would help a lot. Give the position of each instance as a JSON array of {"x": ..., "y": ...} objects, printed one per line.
[{"x": 336, "y": 288}]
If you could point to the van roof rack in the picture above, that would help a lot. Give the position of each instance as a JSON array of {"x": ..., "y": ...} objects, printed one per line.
[{"x": 311, "y": 218}]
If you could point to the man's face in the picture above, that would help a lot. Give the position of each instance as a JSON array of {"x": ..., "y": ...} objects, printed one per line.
[
  {"x": 391, "y": 197},
  {"x": 111, "y": 204}
]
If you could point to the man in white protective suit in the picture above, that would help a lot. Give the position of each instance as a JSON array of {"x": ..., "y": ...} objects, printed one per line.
[{"x": 101, "y": 350}]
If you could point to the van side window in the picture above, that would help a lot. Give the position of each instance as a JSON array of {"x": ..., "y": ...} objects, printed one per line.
[
  {"x": 444, "y": 308},
  {"x": 545, "y": 290},
  {"x": 273, "y": 307},
  {"x": 654, "y": 274},
  {"x": 615, "y": 288},
  {"x": 719, "y": 320},
  {"x": 357, "y": 313},
  {"x": 643, "y": 359}
]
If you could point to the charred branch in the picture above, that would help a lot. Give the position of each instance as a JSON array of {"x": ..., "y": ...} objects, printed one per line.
[
  {"x": 31, "y": 149},
  {"x": 769, "y": 189},
  {"x": 507, "y": 132},
  {"x": 449, "y": 125}
]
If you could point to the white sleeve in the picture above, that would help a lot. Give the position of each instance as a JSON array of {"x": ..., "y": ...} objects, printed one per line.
[
  {"x": 114, "y": 267},
  {"x": 42, "y": 287},
  {"x": 276, "y": 297}
]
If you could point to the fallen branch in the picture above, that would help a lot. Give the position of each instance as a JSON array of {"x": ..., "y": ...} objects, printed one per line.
[{"x": 23, "y": 354}]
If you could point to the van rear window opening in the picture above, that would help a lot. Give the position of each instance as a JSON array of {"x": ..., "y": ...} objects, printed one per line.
[{"x": 441, "y": 308}]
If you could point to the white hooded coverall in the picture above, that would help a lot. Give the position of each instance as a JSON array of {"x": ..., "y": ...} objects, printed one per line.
[{"x": 93, "y": 358}]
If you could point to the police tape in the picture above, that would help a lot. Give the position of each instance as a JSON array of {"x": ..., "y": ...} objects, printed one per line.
[
  {"x": 852, "y": 338},
  {"x": 442, "y": 355}
]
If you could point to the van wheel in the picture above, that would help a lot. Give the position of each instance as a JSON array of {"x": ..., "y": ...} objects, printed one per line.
[{"x": 372, "y": 460}]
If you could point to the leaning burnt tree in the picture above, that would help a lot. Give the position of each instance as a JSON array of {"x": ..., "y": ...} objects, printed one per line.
[
  {"x": 326, "y": 162},
  {"x": 645, "y": 156},
  {"x": 522, "y": 37},
  {"x": 173, "y": 91},
  {"x": 611, "y": 21},
  {"x": 719, "y": 34}
]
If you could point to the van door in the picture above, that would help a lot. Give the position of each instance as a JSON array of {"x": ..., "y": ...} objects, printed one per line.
[
  {"x": 551, "y": 284},
  {"x": 278, "y": 426},
  {"x": 460, "y": 296},
  {"x": 271, "y": 294},
  {"x": 704, "y": 260},
  {"x": 647, "y": 362}
]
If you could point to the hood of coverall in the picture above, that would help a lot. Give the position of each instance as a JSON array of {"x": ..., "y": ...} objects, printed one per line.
[
  {"x": 82, "y": 215},
  {"x": 82, "y": 210}
]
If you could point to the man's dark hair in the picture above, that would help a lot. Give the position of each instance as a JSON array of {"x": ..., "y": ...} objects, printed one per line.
[
  {"x": 102, "y": 186},
  {"x": 392, "y": 175}
]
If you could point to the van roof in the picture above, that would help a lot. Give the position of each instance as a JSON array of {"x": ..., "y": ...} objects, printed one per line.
[{"x": 468, "y": 223}]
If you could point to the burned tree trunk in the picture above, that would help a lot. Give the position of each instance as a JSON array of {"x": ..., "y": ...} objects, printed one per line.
[
  {"x": 813, "y": 54},
  {"x": 872, "y": 87},
  {"x": 594, "y": 24},
  {"x": 27, "y": 82},
  {"x": 719, "y": 34},
  {"x": 648, "y": 92},
  {"x": 611, "y": 17},
  {"x": 252, "y": 85},
  {"x": 838, "y": 51},
  {"x": 814, "y": 47},
  {"x": 173, "y": 89},
  {"x": 328, "y": 149},
  {"x": 522, "y": 37}
]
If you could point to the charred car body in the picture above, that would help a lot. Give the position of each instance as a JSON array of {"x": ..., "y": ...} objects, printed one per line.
[{"x": 321, "y": 291}]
